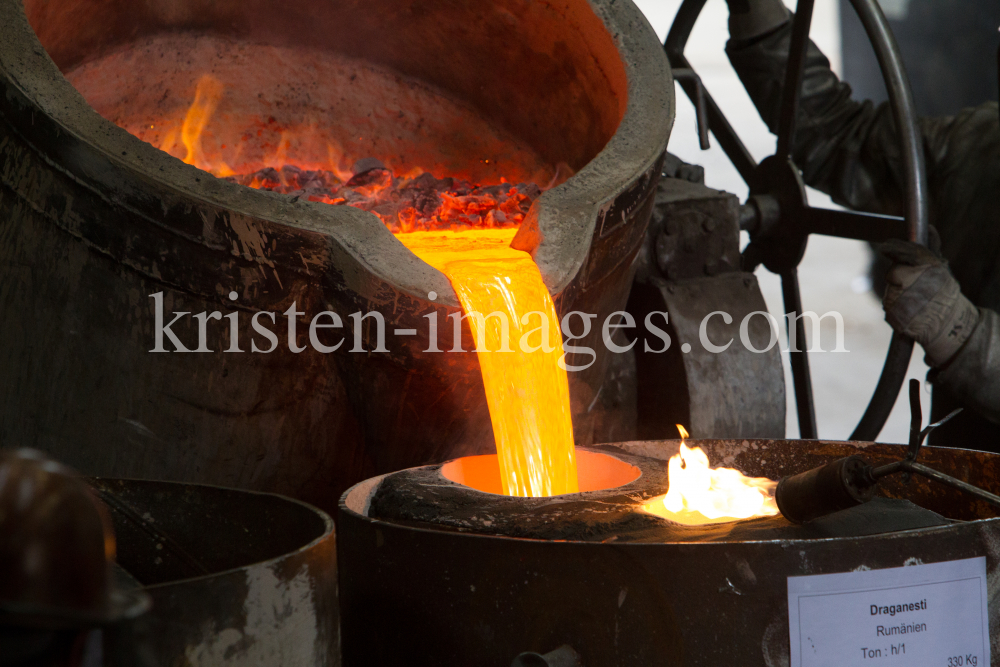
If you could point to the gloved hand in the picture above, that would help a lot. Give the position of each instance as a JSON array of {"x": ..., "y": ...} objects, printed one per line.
[
  {"x": 752, "y": 18},
  {"x": 924, "y": 302}
]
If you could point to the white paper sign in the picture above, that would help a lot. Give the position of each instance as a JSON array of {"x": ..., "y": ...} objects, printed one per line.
[{"x": 919, "y": 616}]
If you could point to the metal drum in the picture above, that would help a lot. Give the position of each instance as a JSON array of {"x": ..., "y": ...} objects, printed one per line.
[{"x": 619, "y": 586}]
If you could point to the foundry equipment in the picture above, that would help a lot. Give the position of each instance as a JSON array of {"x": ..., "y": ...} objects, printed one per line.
[
  {"x": 851, "y": 481},
  {"x": 57, "y": 551},
  {"x": 104, "y": 237},
  {"x": 777, "y": 214},
  {"x": 620, "y": 586},
  {"x": 104, "y": 232},
  {"x": 135, "y": 573},
  {"x": 235, "y": 577}
]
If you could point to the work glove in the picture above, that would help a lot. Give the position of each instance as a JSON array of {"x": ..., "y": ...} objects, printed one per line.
[
  {"x": 924, "y": 302},
  {"x": 752, "y": 18}
]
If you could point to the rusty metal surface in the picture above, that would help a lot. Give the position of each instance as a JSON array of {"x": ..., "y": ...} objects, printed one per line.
[
  {"x": 626, "y": 603},
  {"x": 236, "y": 578},
  {"x": 689, "y": 269},
  {"x": 93, "y": 222}
]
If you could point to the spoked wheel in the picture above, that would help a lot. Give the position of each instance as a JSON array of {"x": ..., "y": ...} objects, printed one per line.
[{"x": 778, "y": 215}]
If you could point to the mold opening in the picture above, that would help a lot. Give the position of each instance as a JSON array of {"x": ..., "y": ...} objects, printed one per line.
[{"x": 597, "y": 472}]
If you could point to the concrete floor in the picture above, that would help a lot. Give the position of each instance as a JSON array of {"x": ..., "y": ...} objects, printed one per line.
[{"x": 833, "y": 274}]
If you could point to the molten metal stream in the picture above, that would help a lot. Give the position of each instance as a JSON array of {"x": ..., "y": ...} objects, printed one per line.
[
  {"x": 519, "y": 344},
  {"x": 517, "y": 332}
]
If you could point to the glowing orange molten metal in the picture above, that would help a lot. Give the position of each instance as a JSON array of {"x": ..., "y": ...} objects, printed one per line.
[
  {"x": 519, "y": 342},
  {"x": 519, "y": 345},
  {"x": 699, "y": 494}
]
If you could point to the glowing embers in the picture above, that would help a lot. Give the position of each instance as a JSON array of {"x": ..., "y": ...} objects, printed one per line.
[
  {"x": 519, "y": 345},
  {"x": 699, "y": 494},
  {"x": 416, "y": 200}
]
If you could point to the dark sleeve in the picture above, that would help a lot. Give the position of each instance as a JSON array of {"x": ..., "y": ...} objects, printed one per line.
[
  {"x": 847, "y": 149},
  {"x": 973, "y": 375}
]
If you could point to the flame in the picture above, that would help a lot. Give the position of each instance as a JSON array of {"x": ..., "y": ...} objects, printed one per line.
[
  {"x": 457, "y": 210},
  {"x": 527, "y": 391},
  {"x": 206, "y": 99},
  {"x": 699, "y": 494}
]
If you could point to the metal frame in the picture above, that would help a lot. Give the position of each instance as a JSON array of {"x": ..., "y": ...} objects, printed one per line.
[{"x": 781, "y": 220}]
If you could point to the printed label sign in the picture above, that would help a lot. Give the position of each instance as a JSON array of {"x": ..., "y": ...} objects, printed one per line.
[{"x": 919, "y": 616}]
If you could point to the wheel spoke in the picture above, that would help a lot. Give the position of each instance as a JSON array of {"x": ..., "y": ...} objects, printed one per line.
[
  {"x": 852, "y": 225},
  {"x": 751, "y": 258},
  {"x": 798, "y": 355},
  {"x": 680, "y": 30},
  {"x": 684, "y": 75},
  {"x": 730, "y": 142},
  {"x": 794, "y": 70},
  {"x": 717, "y": 123},
  {"x": 897, "y": 361}
]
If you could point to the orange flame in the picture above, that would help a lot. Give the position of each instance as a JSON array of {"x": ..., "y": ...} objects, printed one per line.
[
  {"x": 699, "y": 494},
  {"x": 206, "y": 99},
  {"x": 196, "y": 145}
]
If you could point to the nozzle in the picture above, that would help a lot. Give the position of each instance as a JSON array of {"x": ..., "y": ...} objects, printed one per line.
[{"x": 836, "y": 486}]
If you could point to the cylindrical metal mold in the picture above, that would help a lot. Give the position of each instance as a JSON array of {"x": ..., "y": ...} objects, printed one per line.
[
  {"x": 236, "y": 577},
  {"x": 619, "y": 587}
]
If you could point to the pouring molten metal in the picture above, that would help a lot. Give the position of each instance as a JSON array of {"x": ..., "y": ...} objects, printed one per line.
[
  {"x": 699, "y": 494},
  {"x": 519, "y": 345},
  {"x": 464, "y": 230}
]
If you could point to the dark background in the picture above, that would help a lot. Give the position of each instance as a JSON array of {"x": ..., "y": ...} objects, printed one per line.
[{"x": 949, "y": 48}]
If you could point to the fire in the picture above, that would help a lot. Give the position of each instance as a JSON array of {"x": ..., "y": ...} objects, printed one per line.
[
  {"x": 206, "y": 99},
  {"x": 464, "y": 230},
  {"x": 416, "y": 200},
  {"x": 699, "y": 494},
  {"x": 526, "y": 387}
]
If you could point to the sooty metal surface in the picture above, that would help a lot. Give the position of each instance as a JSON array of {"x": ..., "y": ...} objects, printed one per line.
[
  {"x": 94, "y": 221},
  {"x": 623, "y": 588},
  {"x": 237, "y": 578}
]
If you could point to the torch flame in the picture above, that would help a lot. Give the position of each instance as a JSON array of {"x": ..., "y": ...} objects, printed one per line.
[{"x": 699, "y": 494}]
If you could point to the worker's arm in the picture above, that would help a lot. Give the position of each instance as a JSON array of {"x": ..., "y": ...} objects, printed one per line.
[
  {"x": 845, "y": 148},
  {"x": 851, "y": 151},
  {"x": 973, "y": 377},
  {"x": 961, "y": 342}
]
